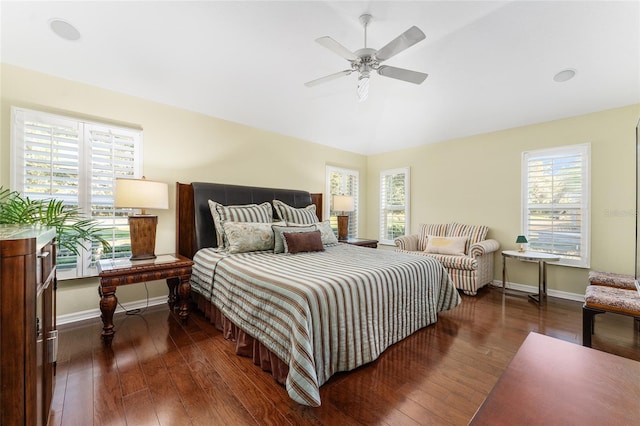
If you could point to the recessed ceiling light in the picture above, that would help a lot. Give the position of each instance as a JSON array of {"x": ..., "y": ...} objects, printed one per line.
[
  {"x": 64, "y": 30},
  {"x": 564, "y": 75}
]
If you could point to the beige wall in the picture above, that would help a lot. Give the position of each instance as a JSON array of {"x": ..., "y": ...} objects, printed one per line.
[
  {"x": 179, "y": 145},
  {"x": 470, "y": 180},
  {"x": 476, "y": 180}
]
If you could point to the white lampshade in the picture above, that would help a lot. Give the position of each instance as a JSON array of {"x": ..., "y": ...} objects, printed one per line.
[
  {"x": 343, "y": 203},
  {"x": 141, "y": 194}
]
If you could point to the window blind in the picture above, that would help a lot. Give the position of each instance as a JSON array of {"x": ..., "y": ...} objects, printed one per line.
[
  {"x": 556, "y": 193},
  {"x": 394, "y": 204},
  {"x": 77, "y": 162}
]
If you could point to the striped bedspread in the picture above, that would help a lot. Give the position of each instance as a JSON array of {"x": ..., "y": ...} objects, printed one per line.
[{"x": 324, "y": 312}]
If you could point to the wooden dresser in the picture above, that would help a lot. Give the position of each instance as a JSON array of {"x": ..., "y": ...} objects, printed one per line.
[{"x": 28, "y": 335}]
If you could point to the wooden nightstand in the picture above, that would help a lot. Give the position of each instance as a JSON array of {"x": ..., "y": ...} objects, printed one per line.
[
  {"x": 363, "y": 242},
  {"x": 174, "y": 268}
]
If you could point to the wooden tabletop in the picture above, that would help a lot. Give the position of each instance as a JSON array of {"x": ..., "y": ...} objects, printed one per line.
[
  {"x": 117, "y": 266},
  {"x": 553, "y": 382}
]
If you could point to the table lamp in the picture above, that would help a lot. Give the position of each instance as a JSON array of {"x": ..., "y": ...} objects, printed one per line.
[
  {"x": 522, "y": 240},
  {"x": 343, "y": 203},
  {"x": 142, "y": 194}
]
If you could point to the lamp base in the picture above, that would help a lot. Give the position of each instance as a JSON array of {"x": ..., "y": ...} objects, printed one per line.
[
  {"x": 522, "y": 249},
  {"x": 142, "y": 229},
  {"x": 343, "y": 227}
]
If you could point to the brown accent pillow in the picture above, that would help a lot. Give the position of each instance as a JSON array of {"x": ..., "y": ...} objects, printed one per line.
[{"x": 299, "y": 242}]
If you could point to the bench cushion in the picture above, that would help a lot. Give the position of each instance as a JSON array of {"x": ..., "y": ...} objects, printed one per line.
[
  {"x": 613, "y": 299},
  {"x": 612, "y": 280}
]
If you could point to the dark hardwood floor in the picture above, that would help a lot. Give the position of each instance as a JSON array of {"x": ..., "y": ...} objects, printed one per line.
[{"x": 162, "y": 372}]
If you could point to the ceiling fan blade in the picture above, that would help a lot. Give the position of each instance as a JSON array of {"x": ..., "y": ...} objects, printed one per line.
[
  {"x": 327, "y": 78},
  {"x": 400, "y": 43},
  {"x": 414, "y": 77},
  {"x": 336, "y": 47}
]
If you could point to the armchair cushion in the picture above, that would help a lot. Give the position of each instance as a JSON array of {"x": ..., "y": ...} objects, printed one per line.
[{"x": 449, "y": 261}]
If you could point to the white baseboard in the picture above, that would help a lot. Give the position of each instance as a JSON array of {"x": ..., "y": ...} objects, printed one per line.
[
  {"x": 531, "y": 289},
  {"x": 95, "y": 313}
]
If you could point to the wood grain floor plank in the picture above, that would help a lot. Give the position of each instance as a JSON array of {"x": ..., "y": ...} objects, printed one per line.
[
  {"x": 107, "y": 400},
  {"x": 252, "y": 397},
  {"x": 139, "y": 409},
  {"x": 223, "y": 401},
  {"x": 194, "y": 398},
  {"x": 78, "y": 398},
  {"x": 169, "y": 407}
]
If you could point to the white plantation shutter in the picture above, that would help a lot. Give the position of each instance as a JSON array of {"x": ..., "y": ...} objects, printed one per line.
[
  {"x": 76, "y": 161},
  {"x": 394, "y": 204},
  {"x": 556, "y": 191},
  {"x": 342, "y": 181}
]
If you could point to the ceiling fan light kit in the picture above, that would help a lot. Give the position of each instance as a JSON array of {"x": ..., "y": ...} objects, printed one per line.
[{"x": 365, "y": 60}]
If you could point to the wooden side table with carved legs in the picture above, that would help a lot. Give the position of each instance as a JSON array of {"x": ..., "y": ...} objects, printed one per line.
[{"x": 174, "y": 268}]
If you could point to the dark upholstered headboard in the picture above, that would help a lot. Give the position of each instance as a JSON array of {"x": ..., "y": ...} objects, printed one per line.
[{"x": 194, "y": 224}]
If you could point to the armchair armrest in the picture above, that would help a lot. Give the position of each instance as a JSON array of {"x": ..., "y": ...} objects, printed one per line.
[
  {"x": 408, "y": 243},
  {"x": 483, "y": 247}
]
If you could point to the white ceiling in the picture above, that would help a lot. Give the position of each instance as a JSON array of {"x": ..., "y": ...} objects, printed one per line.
[{"x": 490, "y": 64}]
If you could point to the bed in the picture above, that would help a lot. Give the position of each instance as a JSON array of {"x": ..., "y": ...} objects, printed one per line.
[{"x": 309, "y": 315}]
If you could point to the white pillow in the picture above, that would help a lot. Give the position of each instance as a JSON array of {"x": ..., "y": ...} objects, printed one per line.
[{"x": 446, "y": 245}]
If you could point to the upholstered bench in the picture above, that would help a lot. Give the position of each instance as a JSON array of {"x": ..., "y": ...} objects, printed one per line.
[{"x": 614, "y": 293}]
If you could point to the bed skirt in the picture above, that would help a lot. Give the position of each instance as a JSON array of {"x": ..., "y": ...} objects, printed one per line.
[{"x": 246, "y": 345}]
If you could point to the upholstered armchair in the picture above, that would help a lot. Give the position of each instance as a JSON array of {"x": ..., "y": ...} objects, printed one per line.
[{"x": 462, "y": 249}]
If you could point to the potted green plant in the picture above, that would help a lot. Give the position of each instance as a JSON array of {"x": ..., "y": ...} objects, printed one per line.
[{"x": 73, "y": 228}]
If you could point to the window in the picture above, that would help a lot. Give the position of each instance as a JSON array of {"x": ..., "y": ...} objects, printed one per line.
[
  {"x": 342, "y": 182},
  {"x": 76, "y": 161},
  {"x": 394, "y": 204},
  {"x": 555, "y": 191}
]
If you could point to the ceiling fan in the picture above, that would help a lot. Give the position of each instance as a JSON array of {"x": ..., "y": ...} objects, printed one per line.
[{"x": 365, "y": 60}]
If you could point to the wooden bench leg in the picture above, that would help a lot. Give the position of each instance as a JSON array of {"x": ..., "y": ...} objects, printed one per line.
[{"x": 588, "y": 324}]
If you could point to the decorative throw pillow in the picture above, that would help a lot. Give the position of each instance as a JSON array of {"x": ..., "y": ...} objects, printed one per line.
[
  {"x": 257, "y": 213},
  {"x": 446, "y": 245},
  {"x": 248, "y": 236},
  {"x": 278, "y": 244},
  {"x": 213, "y": 206},
  {"x": 326, "y": 232},
  {"x": 287, "y": 213},
  {"x": 300, "y": 242}
]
